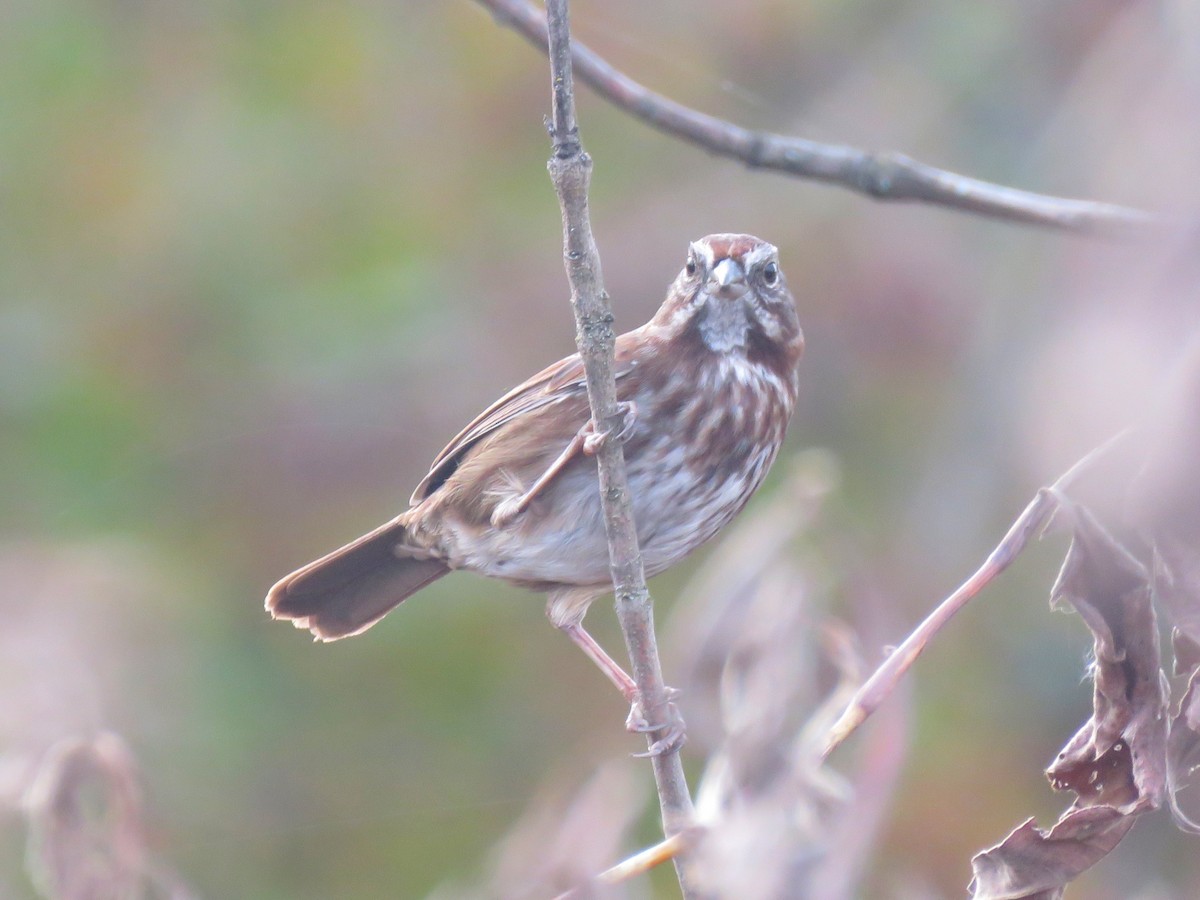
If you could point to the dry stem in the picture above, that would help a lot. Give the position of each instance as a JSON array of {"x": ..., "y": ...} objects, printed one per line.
[
  {"x": 882, "y": 175},
  {"x": 1031, "y": 522},
  {"x": 570, "y": 170}
]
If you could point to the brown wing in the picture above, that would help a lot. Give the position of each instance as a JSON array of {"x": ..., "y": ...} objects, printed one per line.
[{"x": 555, "y": 382}]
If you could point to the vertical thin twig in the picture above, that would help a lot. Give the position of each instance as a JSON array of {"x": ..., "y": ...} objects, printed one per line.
[{"x": 570, "y": 170}]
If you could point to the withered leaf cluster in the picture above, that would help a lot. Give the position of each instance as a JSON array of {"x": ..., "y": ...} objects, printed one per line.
[{"x": 1137, "y": 750}]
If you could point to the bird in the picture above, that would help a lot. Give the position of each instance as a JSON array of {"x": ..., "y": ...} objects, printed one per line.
[{"x": 706, "y": 389}]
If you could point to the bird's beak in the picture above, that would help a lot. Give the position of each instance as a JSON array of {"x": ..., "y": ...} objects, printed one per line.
[{"x": 727, "y": 272}]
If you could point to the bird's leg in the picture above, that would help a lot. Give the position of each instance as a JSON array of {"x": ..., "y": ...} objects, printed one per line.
[
  {"x": 563, "y": 610},
  {"x": 586, "y": 439},
  {"x": 597, "y": 654},
  {"x": 509, "y": 509}
]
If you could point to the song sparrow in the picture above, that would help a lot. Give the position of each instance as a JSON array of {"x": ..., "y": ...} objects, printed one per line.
[{"x": 707, "y": 386}]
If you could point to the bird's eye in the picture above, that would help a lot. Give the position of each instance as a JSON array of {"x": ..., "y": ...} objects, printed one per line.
[
  {"x": 770, "y": 274},
  {"x": 690, "y": 268}
]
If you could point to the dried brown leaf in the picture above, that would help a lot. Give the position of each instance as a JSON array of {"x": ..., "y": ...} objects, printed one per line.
[
  {"x": 1032, "y": 864},
  {"x": 1118, "y": 757},
  {"x": 1115, "y": 763}
]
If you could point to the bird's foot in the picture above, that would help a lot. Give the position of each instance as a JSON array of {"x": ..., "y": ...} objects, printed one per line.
[
  {"x": 593, "y": 440},
  {"x": 673, "y": 730}
]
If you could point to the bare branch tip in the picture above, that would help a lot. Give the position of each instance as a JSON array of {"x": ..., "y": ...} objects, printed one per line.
[{"x": 882, "y": 175}]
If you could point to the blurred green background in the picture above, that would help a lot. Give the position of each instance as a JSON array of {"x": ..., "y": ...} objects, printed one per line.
[{"x": 259, "y": 261}]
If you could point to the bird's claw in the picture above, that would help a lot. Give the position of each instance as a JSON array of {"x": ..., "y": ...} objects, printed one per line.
[
  {"x": 673, "y": 730},
  {"x": 593, "y": 440}
]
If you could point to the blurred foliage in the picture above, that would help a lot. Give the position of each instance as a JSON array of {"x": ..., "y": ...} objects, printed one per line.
[{"x": 258, "y": 261}]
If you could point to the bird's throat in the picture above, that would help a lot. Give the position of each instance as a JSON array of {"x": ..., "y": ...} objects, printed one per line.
[{"x": 723, "y": 324}]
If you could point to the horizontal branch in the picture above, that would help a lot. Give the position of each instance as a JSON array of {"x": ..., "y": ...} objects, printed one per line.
[{"x": 882, "y": 175}]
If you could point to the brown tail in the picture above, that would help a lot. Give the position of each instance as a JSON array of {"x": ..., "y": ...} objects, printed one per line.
[{"x": 352, "y": 588}]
